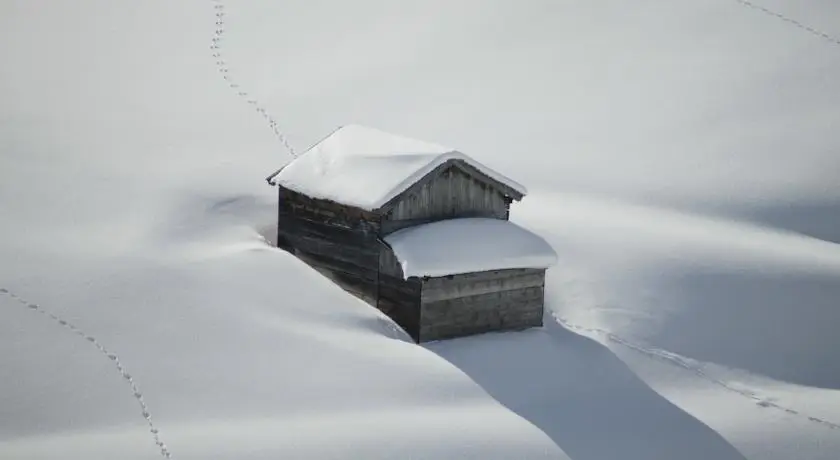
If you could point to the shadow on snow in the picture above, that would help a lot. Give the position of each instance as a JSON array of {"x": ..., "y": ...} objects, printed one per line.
[{"x": 582, "y": 396}]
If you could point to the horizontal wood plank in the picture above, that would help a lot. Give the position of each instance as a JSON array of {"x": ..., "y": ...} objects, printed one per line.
[
  {"x": 338, "y": 266},
  {"x": 399, "y": 287},
  {"x": 390, "y": 226},
  {"x": 334, "y": 228},
  {"x": 464, "y": 306},
  {"x": 388, "y": 262},
  {"x": 480, "y": 276},
  {"x": 436, "y": 289},
  {"x": 292, "y": 199},
  {"x": 498, "y": 311},
  {"x": 400, "y": 300},
  {"x": 349, "y": 257}
]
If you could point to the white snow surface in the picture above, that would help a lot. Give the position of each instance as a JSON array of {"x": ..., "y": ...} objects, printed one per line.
[
  {"x": 693, "y": 315},
  {"x": 468, "y": 245},
  {"x": 366, "y": 167}
]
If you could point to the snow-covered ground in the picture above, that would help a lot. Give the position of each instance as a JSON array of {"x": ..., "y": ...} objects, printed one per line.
[{"x": 681, "y": 159}]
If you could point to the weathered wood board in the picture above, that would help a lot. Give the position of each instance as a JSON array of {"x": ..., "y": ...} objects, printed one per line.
[
  {"x": 449, "y": 193},
  {"x": 338, "y": 241},
  {"x": 400, "y": 300},
  {"x": 345, "y": 244},
  {"x": 481, "y": 302}
]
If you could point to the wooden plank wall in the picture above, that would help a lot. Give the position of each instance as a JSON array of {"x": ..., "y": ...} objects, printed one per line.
[
  {"x": 453, "y": 193},
  {"x": 343, "y": 244},
  {"x": 474, "y": 303},
  {"x": 398, "y": 298},
  {"x": 388, "y": 262},
  {"x": 339, "y": 241}
]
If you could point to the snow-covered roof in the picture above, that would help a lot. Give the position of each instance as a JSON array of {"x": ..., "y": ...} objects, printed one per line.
[
  {"x": 364, "y": 167},
  {"x": 454, "y": 246}
]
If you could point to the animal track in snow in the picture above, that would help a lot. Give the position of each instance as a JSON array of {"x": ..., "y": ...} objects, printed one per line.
[
  {"x": 224, "y": 70},
  {"x": 689, "y": 365},
  {"x": 144, "y": 408},
  {"x": 790, "y": 20}
]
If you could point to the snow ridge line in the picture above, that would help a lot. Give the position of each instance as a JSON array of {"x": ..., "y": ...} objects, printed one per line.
[
  {"x": 224, "y": 70},
  {"x": 164, "y": 450},
  {"x": 790, "y": 20},
  {"x": 687, "y": 364}
]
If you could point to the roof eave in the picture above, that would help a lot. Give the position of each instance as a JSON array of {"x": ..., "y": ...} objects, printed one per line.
[{"x": 270, "y": 179}]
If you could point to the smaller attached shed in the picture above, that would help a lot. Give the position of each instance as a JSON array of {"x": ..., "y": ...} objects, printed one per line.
[
  {"x": 418, "y": 230},
  {"x": 466, "y": 276}
]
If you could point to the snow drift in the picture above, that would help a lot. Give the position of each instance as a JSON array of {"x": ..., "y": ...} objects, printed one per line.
[{"x": 692, "y": 323}]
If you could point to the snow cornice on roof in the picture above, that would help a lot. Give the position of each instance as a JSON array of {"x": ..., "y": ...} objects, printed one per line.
[{"x": 367, "y": 168}]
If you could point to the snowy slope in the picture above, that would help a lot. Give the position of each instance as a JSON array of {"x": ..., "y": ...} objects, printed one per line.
[
  {"x": 133, "y": 215},
  {"x": 692, "y": 323},
  {"x": 730, "y": 322}
]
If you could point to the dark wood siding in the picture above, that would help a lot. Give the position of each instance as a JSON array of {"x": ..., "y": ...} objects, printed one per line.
[
  {"x": 345, "y": 244},
  {"x": 388, "y": 262},
  {"x": 398, "y": 298},
  {"x": 337, "y": 240},
  {"x": 474, "y": 303},
  {"x": 450, "y": 192}
]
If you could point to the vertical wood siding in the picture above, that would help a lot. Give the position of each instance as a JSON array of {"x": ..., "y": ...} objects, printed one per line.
[{"x": 453, "y": 193}]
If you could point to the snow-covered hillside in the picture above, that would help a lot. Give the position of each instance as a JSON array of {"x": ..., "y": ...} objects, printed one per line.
[{"x": 681, "y": 159}]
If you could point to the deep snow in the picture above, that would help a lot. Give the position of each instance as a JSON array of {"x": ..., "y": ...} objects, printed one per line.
[{"x": 693, "y": 317}]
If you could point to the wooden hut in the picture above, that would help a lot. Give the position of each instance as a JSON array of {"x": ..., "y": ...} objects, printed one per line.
[{"x": 418, "y": 230}]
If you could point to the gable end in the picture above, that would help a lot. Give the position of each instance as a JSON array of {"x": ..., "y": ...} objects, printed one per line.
[{"x": 503, "y": 189}]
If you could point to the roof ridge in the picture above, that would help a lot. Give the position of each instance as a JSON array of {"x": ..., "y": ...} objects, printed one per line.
[{"x": 329, "y": 168}]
